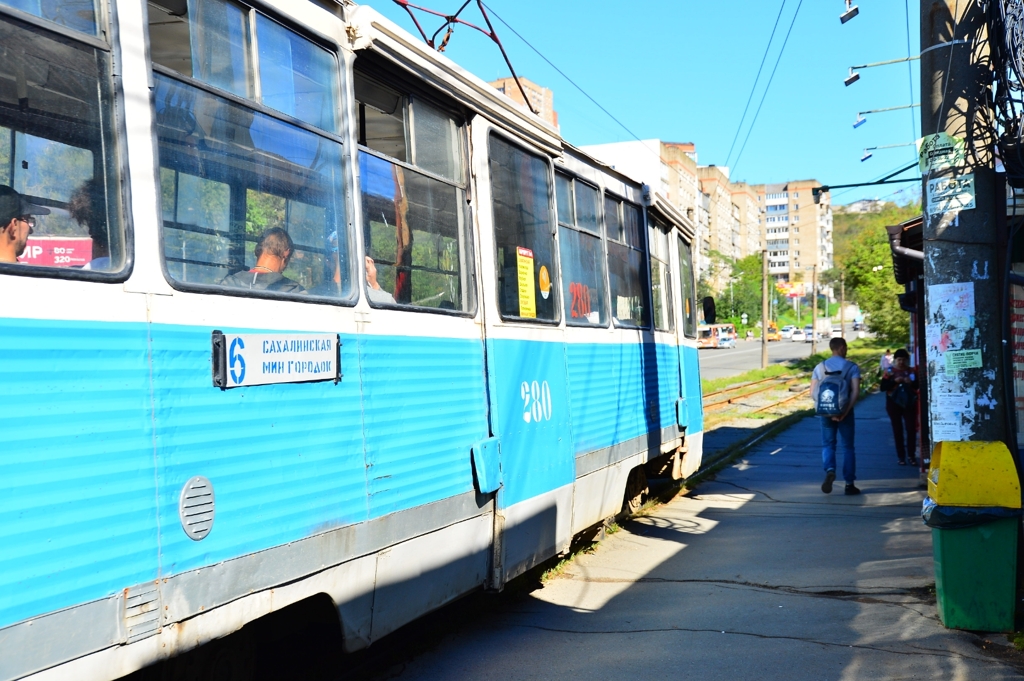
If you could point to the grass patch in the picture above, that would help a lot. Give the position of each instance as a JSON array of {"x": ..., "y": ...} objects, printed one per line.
[
  {"x": 864, "y": 351},
  {"x": 563, "y": 563},
  {"x": 709, "y": 386}
]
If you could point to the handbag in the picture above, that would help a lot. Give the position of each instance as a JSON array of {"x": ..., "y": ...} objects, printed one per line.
[{"x": 903, "y": 396}]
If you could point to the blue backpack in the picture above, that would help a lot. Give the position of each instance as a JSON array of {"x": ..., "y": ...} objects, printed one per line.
[{"x": 833, "y": 392}]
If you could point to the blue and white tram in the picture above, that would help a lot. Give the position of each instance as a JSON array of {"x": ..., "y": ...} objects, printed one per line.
[{"x": 313, "y": 312}]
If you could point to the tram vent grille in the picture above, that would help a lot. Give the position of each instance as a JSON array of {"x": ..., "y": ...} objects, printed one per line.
[
  {"x": 141, "y": 611},
  {"x": 196, "y": 508}
]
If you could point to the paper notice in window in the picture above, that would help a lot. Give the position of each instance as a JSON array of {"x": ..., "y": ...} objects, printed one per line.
[{"x": 527, "y": 291}]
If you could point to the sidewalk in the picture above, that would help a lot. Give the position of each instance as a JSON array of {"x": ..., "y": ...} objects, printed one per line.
[{"x": 755, "y": 575}]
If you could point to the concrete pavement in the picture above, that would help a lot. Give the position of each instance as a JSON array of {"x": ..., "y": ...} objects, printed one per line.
[{"x": 754, "y": 575}]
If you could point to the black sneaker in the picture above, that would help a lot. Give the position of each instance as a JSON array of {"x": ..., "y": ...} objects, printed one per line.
[
  {"x": 826, "y": 486},
  {"x": 850, "y": 489}
]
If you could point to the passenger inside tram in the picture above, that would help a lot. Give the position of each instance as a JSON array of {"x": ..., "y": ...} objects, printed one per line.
[
  {"x": 273, "y": 252},
  {"x": 18, "y": 218}
]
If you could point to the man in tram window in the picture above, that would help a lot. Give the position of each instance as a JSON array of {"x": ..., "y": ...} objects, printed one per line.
[
  {"x": 17, "y": 218},
  {"x": 273, "y": 252},
  {"x": 374, "y": 292}
]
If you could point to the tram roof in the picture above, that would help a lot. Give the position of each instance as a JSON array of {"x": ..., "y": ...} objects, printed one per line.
[{"x": 370, "y": 30}]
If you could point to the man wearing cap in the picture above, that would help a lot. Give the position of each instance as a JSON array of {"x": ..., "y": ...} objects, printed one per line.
[{"x": 17, "y": 218}]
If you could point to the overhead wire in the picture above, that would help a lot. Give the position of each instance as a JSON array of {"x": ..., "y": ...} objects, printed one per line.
[
  {"x": 562, "y": 73},
  {"x": 753, "y": 87},
  {"x": 910, "y": 73},
  {"x": 782, "y": 51}
]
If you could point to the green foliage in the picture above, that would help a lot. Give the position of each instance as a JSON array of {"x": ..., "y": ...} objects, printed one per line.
[
  {"x": 743, "y": 294},
  {"x": 848, "y": 227},
  {"x": 861, "y": 245}
]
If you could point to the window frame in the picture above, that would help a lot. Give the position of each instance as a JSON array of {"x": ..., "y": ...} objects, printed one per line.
[
  {"x": 690, "y": 324},
  {"x": 556, "y": 282},
  {"x": 344, "y": 200},
  {"x": 668, "y": 230},
  {"x": 109, "y": 26},
  {"x": 600, "y": 236},
  {"x": 411, "y": 91},
  {"x": 645, "y": 284}
]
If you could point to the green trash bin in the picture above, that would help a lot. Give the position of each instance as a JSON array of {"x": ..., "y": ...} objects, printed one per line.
[{"x": 973, "y": 508}]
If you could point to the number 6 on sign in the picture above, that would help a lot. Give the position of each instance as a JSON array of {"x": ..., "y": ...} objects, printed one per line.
[{"x": 536, "y": 399}]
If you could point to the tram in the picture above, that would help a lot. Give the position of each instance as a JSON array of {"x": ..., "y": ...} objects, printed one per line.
[{"x": 294, "y": 308}]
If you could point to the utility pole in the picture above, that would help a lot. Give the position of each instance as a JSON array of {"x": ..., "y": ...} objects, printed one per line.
[
  {"x": 842, "y": 305},
  {"x": 764, "y": 309},
  {"x": 963, "y": 303},
  {"x": 814, "y": 309}
]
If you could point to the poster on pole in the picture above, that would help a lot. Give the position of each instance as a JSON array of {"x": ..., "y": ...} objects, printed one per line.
[
  {"x": 940, "y": 151},
  {"x": 950, "y": 194}
]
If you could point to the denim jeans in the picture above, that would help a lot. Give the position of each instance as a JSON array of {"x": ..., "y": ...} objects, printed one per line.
[{"x": 844, "y": 430}]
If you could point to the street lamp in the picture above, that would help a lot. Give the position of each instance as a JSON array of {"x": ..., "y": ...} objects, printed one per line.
[
  {"x": 860, "y": 114},
  {"x": 854, "y": 76},
  {"x": 850, "y": 12}
]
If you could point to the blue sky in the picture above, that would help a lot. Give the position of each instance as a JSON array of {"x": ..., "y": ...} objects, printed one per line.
[{"x": 682, "y": 71}]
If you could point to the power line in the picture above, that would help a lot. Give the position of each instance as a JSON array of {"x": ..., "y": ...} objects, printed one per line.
[
  {"x": 910, "y": 73},
  {"x": 753, "y": 88},
  {"x": 769, "y": 85},
  {"x": 562, "y": 73}
]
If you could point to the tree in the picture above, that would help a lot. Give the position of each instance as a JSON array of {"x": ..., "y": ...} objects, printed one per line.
[{"x": 870, "y": 278}]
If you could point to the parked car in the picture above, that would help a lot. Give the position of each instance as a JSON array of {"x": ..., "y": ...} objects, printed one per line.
[
  {"x": 797, "y": 335},
  {"x": 787, "y": 332}
]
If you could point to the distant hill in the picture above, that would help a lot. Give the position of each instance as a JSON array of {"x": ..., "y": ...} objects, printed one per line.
[{"x": 847, "y": 226}]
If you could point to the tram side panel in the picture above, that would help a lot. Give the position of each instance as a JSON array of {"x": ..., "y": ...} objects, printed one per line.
[
  {"x": 425, "y": 409},
  {"x": 285, "y": 461},
  {"x": 78, "y": 514}
]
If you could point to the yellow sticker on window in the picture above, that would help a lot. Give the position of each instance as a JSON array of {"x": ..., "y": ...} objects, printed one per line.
[
  {"x": 527, "y": 293},
  {"x": 544, "y": 282}
]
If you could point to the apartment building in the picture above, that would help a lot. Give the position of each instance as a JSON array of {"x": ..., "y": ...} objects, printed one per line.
[
  {"x": 745, "y": 202},
  {"x": 542, "y": 99},
  {"x": 797, "y": 231}
]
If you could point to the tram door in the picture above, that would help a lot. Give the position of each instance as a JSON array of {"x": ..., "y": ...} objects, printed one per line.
[
  {"x": 691, "y": 416},
  {"x": 527, "y": 386}
]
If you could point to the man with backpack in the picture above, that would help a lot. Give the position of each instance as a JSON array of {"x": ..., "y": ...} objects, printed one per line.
[{"x": 835, "y": 385}]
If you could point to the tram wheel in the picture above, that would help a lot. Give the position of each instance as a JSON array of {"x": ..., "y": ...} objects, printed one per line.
[{"x": 636, "y": 490}]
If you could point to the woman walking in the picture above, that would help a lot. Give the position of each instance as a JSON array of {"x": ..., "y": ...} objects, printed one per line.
[{"x": 900, "y": 386}]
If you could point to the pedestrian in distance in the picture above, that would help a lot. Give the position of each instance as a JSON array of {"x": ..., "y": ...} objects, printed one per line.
[
  {"x": 885, "y": 364},
  {"x": 835, "y": 384},
  {"x": 900, "y": 387}
]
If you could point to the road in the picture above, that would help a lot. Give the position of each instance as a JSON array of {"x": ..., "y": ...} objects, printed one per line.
[{"x": 747, "y": 355}]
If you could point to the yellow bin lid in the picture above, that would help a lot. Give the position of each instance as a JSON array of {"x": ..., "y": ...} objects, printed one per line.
[{"x": 973, "y": 474}]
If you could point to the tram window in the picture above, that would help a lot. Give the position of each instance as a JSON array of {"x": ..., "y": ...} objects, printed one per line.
[
  {"x": 381, "y": 118},
  {"x": 689, "y": 295},
  {"x": 57, "y": 146},
  {"x": 79, "y": 15},
  {"x": 661, "y": 278},
  {"x": 415, "y": 231},
  {"x": 211, "y": 41},
  {"x": 521, "y": 196},
  {"x": 582, "y": 257},
  {"x": 409, "y": 129},
  {"x": 626, "y": 266},
  {"x": 228, "y": 176}
]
